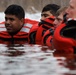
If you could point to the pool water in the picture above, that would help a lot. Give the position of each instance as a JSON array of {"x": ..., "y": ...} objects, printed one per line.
[{"x": 35, "y": 60}]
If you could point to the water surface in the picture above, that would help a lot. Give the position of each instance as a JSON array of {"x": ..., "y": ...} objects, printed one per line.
[{"x": 34, "y": 60}]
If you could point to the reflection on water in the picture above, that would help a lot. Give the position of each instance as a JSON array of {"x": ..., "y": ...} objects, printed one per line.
[{"x": 34, "y": 60}]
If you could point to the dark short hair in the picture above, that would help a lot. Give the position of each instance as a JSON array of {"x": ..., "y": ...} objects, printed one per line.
[
  {"x": 16, "y": 10},
  {"x": 52, "y": 8}
]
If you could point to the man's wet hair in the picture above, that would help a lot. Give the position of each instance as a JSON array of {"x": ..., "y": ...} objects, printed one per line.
[
  {"x": 16, "y": 10},
  {"x": 52, "y": 8}
]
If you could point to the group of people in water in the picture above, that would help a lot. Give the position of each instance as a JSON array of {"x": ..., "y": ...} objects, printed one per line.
[{"x": 56, "y": 28}]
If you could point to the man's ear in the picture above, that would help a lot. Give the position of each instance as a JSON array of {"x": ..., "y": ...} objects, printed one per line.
[{"x": 22, "y": 21}]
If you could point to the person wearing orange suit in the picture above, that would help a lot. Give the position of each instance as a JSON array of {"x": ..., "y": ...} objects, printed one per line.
[
  {"x": 64, "y": 39},
  {"x": 47, "y": 18},
  {"x": 47, "y": 38},
  {"x": 15, "y": 29}
]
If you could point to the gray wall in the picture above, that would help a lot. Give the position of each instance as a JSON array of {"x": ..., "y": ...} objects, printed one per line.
[{"x": 28, "y": 4}]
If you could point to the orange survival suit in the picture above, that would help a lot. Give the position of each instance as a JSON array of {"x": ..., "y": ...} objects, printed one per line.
[
  {"x": 21, "y": 37},
  {"x": 43, "y": 27},
  {"x": 47, "y": 38},
  {"x": 64, "y": 39},
  {"x": 36, "y": 33}
]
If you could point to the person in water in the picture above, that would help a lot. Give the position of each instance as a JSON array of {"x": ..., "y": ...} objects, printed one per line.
[
  {"x": 15, "y": 28},
  {"x": 47, "y": 37},
  {"x": 47, "y": 17},
  {"x": 49, "y": 10},
  {"x": 64, "y": 39}
]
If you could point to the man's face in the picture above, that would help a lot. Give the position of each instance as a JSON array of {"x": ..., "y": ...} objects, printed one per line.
[
  {"x": 71, "y": 10},
  {"x": 58, "y": 20},
  {"x": 45, "y": 15},
  {"x": 12, "y": 23}
]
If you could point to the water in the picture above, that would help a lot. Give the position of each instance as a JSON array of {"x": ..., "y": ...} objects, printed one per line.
[
  {"x": 35, "y": 16},
  {"x": 34, "y": 60}
]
